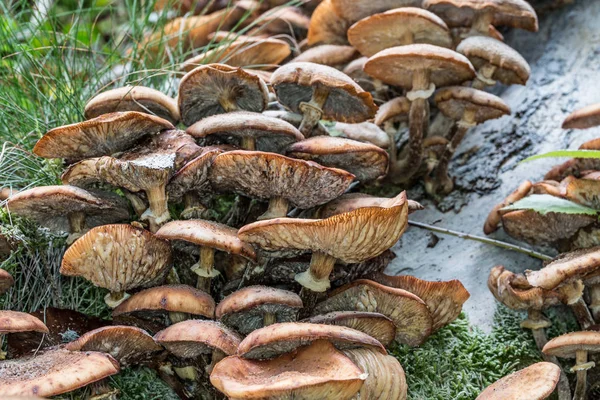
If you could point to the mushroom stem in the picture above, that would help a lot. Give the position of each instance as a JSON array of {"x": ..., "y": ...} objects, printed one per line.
[
  {"x": 76, "y": 226},
  {"x": 193, "y": 207},
  {"x": 176, "y": 317},
  {"x": 217, "y": 355},
  {"x": 248, "y": 143},
  {"x": 594, "y": 291},
  {"x": 236, "y": 268},
  {"x": 581, "y": 366},
  {"x": 484, "y": 77},
  {"x": 582, "y": 313},
  {"x": 101, "y": 390},
  {"x": 205, "y": 268},
  {"x": 113, "y": 299},
  {"x": 481, "y": 24},
  {"x": 158, "y": 212},
  {"x": 269, "y": 319},
  {"x": 188, "y": 373},
  {"x": 139, "y": 206},
  {"x": 278, "y": 208},
  {"x": 316, "y": 278},
  {"x": 313, "y": 110},
  {"x": 228, "y": 103}
]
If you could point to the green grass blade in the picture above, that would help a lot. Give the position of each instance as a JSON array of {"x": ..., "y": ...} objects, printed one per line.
[
  {"x": 544, "y": 203},
  {"x": 565, "y": 153}
]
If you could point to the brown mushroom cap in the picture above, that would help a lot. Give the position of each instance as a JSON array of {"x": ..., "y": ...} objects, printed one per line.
[
  {"x": 263, "y": 175},
  {"x": 326, "y": 26},
  {"x": 317, "y": 371},
  {"x": 401, "y": 26},
  {"x": 535, "y": 382},
  {"x": 133, "y": 98},
  {"x": 565, "y": 346},
  {"x": 54, "y": 372},
  {"x": 51, "y": 206},
  {"x": 444, "y": 299},
  {"x": 366, "y": 132},
  {"x": 397, "y": 65},
  {"x": 347, "y": 102},
  {"x": 454, "y": 102},
  {"x": 118, "y": 258},
  {"x": 193, "y": 176},
  {"x": 284, "y": 19},
  {"x": 373, "y": 324},
  {"x": 584, "y": 118},
  {"x": 366, "y": 161},
  {"x": 16, "y": 321},
  {"x": 410, "y": 314},
  {"x": 494, "y": 217},
  {"x": 400, "y": 106},
  {"x": 328, "y": 54},
  {"x": 355, "y": 11},
  {"x": 104, "y": 135},
  {"x": 217, "y": 89},
  {"x": 573, "y": 265},
  {"x": 6, "y": 281},
  {"x": 352, "y": 201},
  {"x": 269, "y": 134},
  {"x": 295, "y": 120},
  {"x": 245, "y": 309},
  {"x": 192, "y": 338},
  {"x": 511, "y": 67},
  {"x": 277, "y": 339}
]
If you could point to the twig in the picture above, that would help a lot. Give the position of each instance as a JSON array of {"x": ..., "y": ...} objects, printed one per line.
[{"x": 493, "y": 242}]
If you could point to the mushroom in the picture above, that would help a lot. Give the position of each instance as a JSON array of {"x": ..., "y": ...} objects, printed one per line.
[
  {"x": 133, "y": 98},
  {"x": 284, "y": 20},
  {"x": 253, "y": 307},
  {"x": 366, "y": 132},
  {"x": 469, "y": 107},
  {"x": 277, "y": 339},
  {"x": 332, "y": 55},
  {"x": 118, "y": 258},
  {"x": 318, "y": 371},
  {"x": 587, "y": 117},
  {"x": 15, "y": 321},
  {"x": 250, "y": 131},
  {"x": 6, "y": 281},
  {"x": 410, "y": 314},
  {"x": 165, "y": 305},
  {"x": 373, "y": 324},
  {"x": 419, "y": 68},
  {"x": 54, "y": 372},
  {"x": 353, "y": 11},
  {"x": 398, "y": 27},
  {"x": 321, "y": 92},
  {"x": 536, "y": 382},
  {"x": 495, "y": 217},
  {"x": 295, "y": 120},
  {"x": 281, "y": 180},
  {"x": 326, "y": 26},
  {"x": 216, "y": 89},
  {"x": 352, "y": 201},
  {"x": 209, "y": 237},
  {"x": 100, "y": 136},
  {"x": 576, "y": 345}
]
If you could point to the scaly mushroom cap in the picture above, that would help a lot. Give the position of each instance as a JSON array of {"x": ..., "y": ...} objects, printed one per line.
[
  {"x": 245, "y": 309},
  {"x": 585, "y": 118},
  {"x": 511, "y": 67},
  {"x": 207, "y": 234},
  {"x": 397, "y": 65},
  {"x": 352, "y": 237},
  {"x": 192, "y": 338},
  {"x": 270, "y": 134},
  {"x": 573, "y": 265},
  {"x": 217, "y": 89},
  {"x": 328, "y": 54},
  {"x": 400, "y": 106},
  {"x": 513, "y": 13},
  {"x": 168, "y": 298},
  {"x": 104, "y": 135},
  {"x": 6, "y": 281},
  {"x": 455, "y": 101},
  {"x": 495, "y": 217},
  {"x": 410, "y": 314},
  {"x": 347, "y": 102},
  {"x": 535, "y": 382},
  {"x": 352, "y": 201},
  {"x": 133, "y": 98},
  {"x": 398, "y": 27},
  {"x": 263, "y": 175},
  {"x": 327, "y": 27},
  {"x": 193, "y": 176},
  {"x": 317, "y": 371},
  {"x": 366, "y": 161},
  {"x": 16, "y": 321},
  {"x": 386, "y": 378},
  {"x": 565, "y": 346},
  {"x": 367, "y": 132},
  {"x": 54, "y": 372},
  {"x": 373, "y": 324},
  {"x": 355, "y": 11},
  {"x": 118, "y": 258},
  {"x": 275, "y": 340},
  {"x": 444, "y": 299},
  {"x": 51, "y": 206}
]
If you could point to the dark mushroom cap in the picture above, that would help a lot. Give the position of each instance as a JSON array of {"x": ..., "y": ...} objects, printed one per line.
[
  {"x": 271, "y": 134},
  {"x": 400, "y": 106},
  {"x": 168, "y": 298},
  {"x": 193, "y": 176},
  {"x": 410, "y": 314},
  {"x": 16, "y": 321},
  {"x": 454, "y": 101},
  {"x": 397, "y": 65},
  {"x": 573, "y": 265},
  {"x": 50, "y": 206},
  {"x": 354, "y": 11},
  {"x": 347, "y": 102},
  {"x": 202, "y": 90},
  {"x": 54, "y": 372},
  {"x": 104, "y": 135},
  {"x": 317, "y": 371},
  {"x": 192, "y": 338},
  {"x": 6, "y": 281},
  {"x": 118, "y": 258},
  {"x": 366, "y": 161},
  {"x": 565, "y": 346},
  {"x": 127, "y": 344},
  {"x": 398, "y": 27},
  {"x": 277, "y": 339},
  {"x": 328, "y": 54},
  {"x": 511, "y": 67},
  {"x": 326, "y": 26},
  {"x": 373, "y": 324},
  {"x": 264, "y": 175},
  {"x": 366, "y": 132},
  {"x": 133, "y": 98},
  {"x": 584, "y": 118},
  {"x": 244, "y": 309},
  {"x": 535, "y": 382}
]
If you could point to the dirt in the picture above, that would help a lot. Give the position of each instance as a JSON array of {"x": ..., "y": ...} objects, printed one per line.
[{"x": 565, "y": 75}]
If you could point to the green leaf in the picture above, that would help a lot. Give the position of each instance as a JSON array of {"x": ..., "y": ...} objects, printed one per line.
[
  {"x": 566, "y": 153},
  {"x": 544, "y": 203}
]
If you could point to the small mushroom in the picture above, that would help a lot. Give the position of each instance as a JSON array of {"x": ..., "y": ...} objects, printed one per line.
[
  {"x": 495, "y": 217},
  {"x": 367, "y": 132},
  {"x": 352, "y": 201},
  {"x": 15, "y": 321},
  {"x": 326, "y": 26},
  {"x": 536, "y": 382},
  {"x": 285, "y": 20},
  {"x": 6, "y": 281},
  {"x": 295, "y": 120},
  {"x": 332, "y": 55},
  {"x": 353, "y": 11},
  {"x": 587, "y": 117},
  {"x": 373, "y": 324},
  {"x": 118, "y": 258}
]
